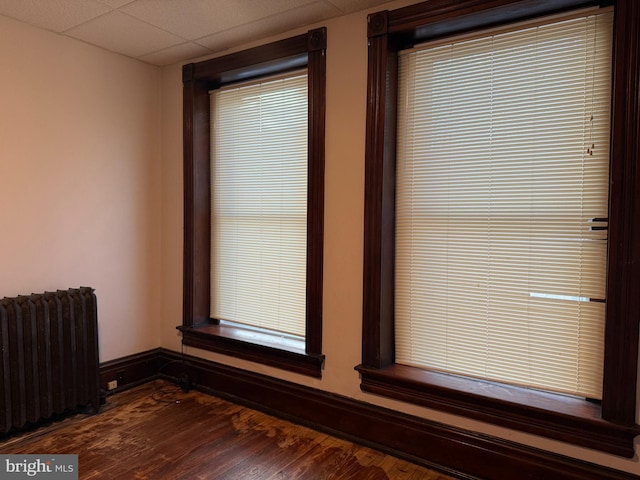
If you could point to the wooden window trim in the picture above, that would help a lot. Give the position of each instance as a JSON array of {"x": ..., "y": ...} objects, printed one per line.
[
  {"x": 198, "y": 330},
  {"x": 609, "y": 427}
]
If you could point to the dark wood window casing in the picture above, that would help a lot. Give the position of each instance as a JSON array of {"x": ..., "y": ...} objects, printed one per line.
[
  {"x": 609, "y": 426},
  {"x": 198, "y": 330}
]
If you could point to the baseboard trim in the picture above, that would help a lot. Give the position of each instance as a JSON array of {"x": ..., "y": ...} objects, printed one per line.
[
  {"x": 456, "y": 452},
  {"x": 130, "y": 371}
]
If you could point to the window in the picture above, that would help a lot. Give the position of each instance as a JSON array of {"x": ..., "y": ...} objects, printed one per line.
[
  {"x": 415, "y": 210},
  {"x": 499, "y": 186},
  {"x": 254, "y": 198},
  {"x": 259, "y": 204}
]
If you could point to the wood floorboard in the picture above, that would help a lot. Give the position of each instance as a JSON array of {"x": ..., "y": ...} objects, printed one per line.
[{"x": 157, "y": 432}]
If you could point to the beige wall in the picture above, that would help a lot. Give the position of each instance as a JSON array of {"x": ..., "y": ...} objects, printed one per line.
[
  {"x": 344, "y": 208},
  {"x": 80, "y": 197}
]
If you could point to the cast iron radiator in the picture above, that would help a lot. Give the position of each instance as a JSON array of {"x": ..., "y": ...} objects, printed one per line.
[{"x": 48, "y": 356}]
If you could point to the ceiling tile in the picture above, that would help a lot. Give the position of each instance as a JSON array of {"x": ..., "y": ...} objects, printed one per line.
[
  {"x": 175, "y": 54},
  {"x": 349, "y": 6},
  {"x": 192, "y": 19},
  {"x": 122, "y": 33},
  {"x": 115, "y": 3},
  {"x": 172, "y": 31},
  {"x": 56, "y": 15},
  {"x": 298, "y": 17}
]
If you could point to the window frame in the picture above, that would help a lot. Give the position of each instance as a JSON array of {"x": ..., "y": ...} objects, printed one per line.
[
  {"x": 198, "y": 330},
  {"x": 610, "y": 426}
]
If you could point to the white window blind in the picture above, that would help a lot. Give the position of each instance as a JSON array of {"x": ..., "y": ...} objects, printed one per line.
[
  {"x": 502, "y": 201},
  {"x": 259, "y": 204}
]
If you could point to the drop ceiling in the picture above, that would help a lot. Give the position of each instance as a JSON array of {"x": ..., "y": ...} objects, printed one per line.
[{"x": 163, "y": 32}]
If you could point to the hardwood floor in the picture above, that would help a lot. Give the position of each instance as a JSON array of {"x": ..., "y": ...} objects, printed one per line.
[{"x": 157, "y": 432}]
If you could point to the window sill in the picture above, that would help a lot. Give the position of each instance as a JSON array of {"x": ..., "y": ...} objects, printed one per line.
[
  {"x": 261, "y": 346},
  {"x": 562, "y": 418}
]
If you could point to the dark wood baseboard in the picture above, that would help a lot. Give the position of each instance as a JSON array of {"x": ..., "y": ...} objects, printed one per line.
[
  {"x": 131, "y": 370},
  {"x": 454, "y": 451}
]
